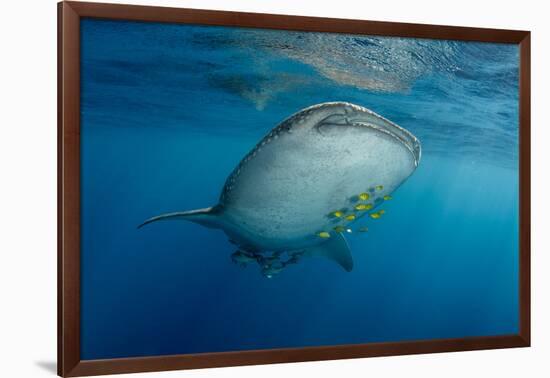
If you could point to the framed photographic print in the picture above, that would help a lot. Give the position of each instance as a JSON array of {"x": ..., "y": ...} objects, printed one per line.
[{"x": 239, "y": 188}]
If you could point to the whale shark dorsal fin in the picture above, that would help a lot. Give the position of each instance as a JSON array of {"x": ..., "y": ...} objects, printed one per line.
[
  {"x": 335, "y": 249},
  {"x": 208, "y": 217}
]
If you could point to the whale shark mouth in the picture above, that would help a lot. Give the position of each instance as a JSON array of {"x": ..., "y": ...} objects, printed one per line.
[{"x": 354, "y": 115}]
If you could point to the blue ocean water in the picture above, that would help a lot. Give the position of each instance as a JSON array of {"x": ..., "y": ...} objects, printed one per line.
[{"x": 169, "y": 110}]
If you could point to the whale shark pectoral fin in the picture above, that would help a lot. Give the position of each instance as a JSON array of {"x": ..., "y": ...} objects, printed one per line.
[
  {"x": 208, "y": 217},
  {"x": 336, "y": 249}
]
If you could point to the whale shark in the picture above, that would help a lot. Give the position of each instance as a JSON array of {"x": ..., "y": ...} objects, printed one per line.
[{"x": 306, "y": 183}]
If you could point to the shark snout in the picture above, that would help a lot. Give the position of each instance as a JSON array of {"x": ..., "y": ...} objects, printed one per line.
[
  {"x": 360, "y": 116},
  {"x": 348, "y": 114}
]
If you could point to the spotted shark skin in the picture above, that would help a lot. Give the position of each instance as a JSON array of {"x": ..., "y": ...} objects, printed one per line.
[{"x": 281, "y": 195}]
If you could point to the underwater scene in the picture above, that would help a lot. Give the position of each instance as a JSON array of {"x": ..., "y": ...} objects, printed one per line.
[{"x": 247, "y": 189}]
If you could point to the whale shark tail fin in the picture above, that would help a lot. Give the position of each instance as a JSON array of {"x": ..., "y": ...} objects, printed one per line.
[
  {"x": 335, "y": 249},
  {"x": 208, "y": 217}
]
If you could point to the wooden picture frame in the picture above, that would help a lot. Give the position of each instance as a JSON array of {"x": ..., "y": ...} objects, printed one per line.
[{"x": 69, "y": 17}]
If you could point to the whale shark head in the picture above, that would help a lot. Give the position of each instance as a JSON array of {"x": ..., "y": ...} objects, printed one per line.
[
  {"x": 324, "y": 117},
  {"x": 309, "y": 180}
]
